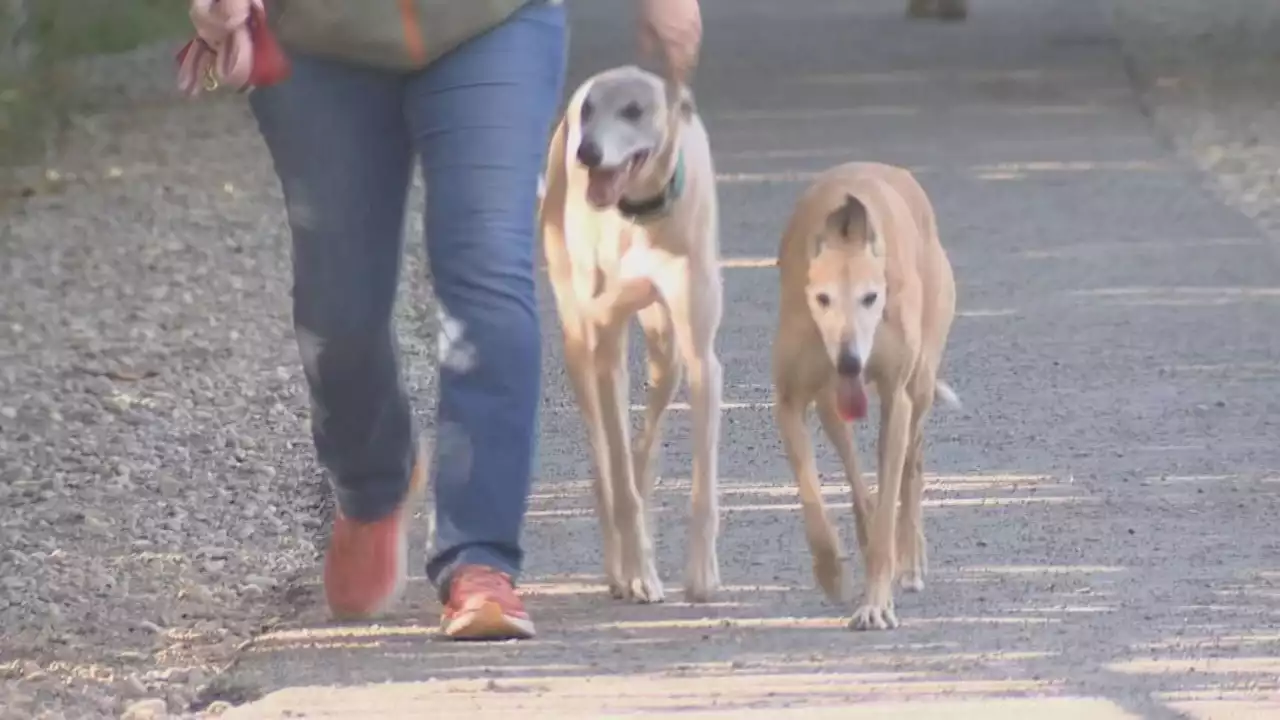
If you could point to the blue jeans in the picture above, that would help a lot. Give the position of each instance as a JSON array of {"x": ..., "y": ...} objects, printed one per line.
[{"x": 343, "y": 139}]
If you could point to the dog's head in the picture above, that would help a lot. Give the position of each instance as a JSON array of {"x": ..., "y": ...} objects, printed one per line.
[
  {"x": 626, "y": 117},
  {"x": 846, "y": 286}
]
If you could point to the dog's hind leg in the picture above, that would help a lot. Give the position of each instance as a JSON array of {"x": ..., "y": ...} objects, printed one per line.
[
  {"x": 664, "y": 378},
  {"x": 841, "y": 436},
  {"x": 912, "y": 563},
  {"x": 695, "y": 305},
  {"x": 639, "y": 571}
]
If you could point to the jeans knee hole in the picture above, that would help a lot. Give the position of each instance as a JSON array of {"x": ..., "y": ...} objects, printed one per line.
[{"x": 453, "y": 351}]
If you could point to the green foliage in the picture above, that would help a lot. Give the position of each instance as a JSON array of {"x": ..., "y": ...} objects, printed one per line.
[
  {"x": 39, "y": 37},
  {"x": 71, "y": 28}
]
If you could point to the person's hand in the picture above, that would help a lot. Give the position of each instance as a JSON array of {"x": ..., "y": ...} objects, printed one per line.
[
  {"x": 222, "y": 52},
  {"x": 672, "y": 30},
  {"x": 216, "y": 20}
]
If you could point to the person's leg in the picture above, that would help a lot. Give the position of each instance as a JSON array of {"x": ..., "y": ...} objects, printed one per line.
[
  {"x": 341, "y": 148},
  {"x": 482, "y": 117}
]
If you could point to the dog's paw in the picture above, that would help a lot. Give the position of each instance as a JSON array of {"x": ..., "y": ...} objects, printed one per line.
[
  {"x": 911, "y": 581},
  {"x": 613, "y": 572},
  {"x": 912, "y": 568},
  {"x": 617, "y": 589},
  {"x": 644, "y": 590},
  {"x": 878, "y": 616},
  {"x": 639, "y": 582},
  {"x": 701, "y": 579},
  {"x": 828, "y": 571}
]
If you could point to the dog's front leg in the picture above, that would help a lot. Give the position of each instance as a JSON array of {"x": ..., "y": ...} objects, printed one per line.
[
  {"x": 824, "y": 541},
  {"x": 876, "y": 611},
  {"x": 640, "y": 581},
  {"x": 841, "y": 437},
  {"x": 579, "y": 355}
]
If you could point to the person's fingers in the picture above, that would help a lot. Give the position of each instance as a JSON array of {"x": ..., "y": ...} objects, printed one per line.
[
  {"x": 236, "y": 61},
  {"x": 671, "y": 34},
  {"x": 215, "y": 19},
  {"x": 235, "y": 13}
]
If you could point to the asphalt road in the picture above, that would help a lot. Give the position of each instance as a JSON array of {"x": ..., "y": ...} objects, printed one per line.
[{"x": 1101, "y": 514}]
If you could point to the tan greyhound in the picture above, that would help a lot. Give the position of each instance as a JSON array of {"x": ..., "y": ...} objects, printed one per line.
[{"x": 868, "y": 298}]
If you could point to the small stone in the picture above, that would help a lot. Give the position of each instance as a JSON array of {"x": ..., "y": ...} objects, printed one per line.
[
  {"x": 148, "y": 709},
  {"x": 217, "y": 707},
  {"x": 261, "y": 581},
  {"x": 134, "y": 687}
]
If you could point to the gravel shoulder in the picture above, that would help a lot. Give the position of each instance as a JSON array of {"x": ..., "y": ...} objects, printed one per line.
[
  {"x": 158, "y": 483},
  {"x": 162, "y": 505},
  {"x": 1206, "y": 73}
]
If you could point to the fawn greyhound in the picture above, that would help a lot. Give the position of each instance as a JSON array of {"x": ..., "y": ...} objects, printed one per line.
[{"x": 867, "y": 299}]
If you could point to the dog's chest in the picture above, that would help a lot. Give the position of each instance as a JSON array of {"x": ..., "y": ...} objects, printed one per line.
[{"x": 632, "y": 244}]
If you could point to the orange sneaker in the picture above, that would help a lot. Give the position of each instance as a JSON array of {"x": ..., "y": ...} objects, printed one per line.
[
  {"x": 366, "y": 565},
  {"x": 483, "y": 605}
]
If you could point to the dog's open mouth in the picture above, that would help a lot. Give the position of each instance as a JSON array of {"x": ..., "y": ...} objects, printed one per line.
[
  {"x": 605, "y": 185},
  {"x": 851, "y": 398}
]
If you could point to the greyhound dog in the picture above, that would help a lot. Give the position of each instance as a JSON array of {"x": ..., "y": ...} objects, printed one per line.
[
  {"x": 629, "y": 218},
  {"x": 868, "y": 297}
]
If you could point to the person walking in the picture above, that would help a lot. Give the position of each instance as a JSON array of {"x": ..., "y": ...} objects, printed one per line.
[{"x": 343, "y": 131}]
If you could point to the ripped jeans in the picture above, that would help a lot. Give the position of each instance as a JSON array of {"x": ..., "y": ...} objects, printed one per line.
[{"x": 343, "y": 139}]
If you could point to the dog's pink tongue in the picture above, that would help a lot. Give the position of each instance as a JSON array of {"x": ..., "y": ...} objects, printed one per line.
[
  {"x": 604, "y": 187},
  {"x": 851, "y": 399}
]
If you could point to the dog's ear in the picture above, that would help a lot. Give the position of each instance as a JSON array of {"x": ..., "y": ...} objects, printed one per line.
[
  {"x": 679, "y": 100},
  {"x": 852, "y": 222},
  {"x": 816, "y": 242},
  {"x": 849, "y": 221}
]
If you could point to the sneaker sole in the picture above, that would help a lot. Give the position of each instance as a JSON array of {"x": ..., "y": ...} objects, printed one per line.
[{"x": 488, "y": 622}]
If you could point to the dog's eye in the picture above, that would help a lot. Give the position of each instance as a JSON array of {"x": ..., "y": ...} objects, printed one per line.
[
  {"x": 823, "y": 299},
  {"x": 631, "y": 112},
  {"x": 869, "y": 299},
  {"x": 586, "y": 111}
]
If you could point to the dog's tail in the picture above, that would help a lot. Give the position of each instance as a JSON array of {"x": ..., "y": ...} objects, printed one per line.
[{"x": 947, "y": 395}]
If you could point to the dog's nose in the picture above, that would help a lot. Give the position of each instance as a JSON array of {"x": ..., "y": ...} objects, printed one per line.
[
  {"x": 589, "y": 153},
  {"x": 848, "y": 364}
]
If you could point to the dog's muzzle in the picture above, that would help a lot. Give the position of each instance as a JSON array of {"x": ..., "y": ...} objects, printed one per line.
[
  {"x": 590, "y": 154},
  {"x": 848, "y": 364}
]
